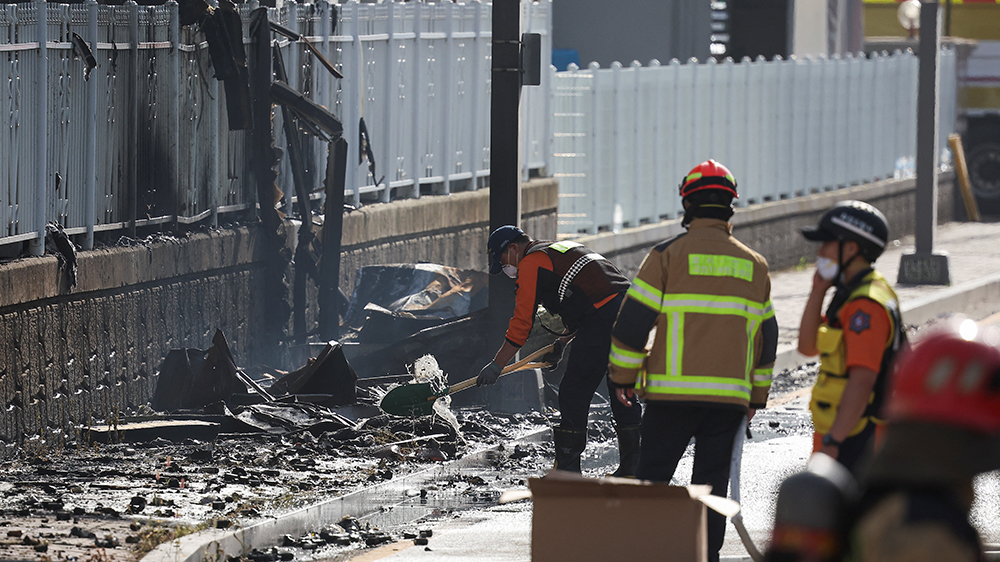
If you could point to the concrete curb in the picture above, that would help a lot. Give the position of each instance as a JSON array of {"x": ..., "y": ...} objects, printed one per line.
[
  {"x": 917, "y": 311},
  {"x": 388, "y": 499}
]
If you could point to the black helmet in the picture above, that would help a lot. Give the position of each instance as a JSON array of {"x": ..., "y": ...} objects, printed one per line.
[{"x": 853, "y": 221}]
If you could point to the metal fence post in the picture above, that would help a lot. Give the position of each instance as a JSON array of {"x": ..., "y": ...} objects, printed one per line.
[
  {"x": 417, "y": 89},
  {"x": 635, "y": 160},
  {"x": 37, "y": 245},
  {"x": 174, "y": 94},
  {"x": 215, "y": 123},
  {"x": 616, "y": 146},
  {"x": 475, "y": 146},
  {"x": 133, "y": 112},
  {"x": 388, "y": 103},
  {"x": 447, "y": 150},
  {"x": 596, "y": 155},
  {"x": 90, "y": 156},
  {"x": 657, "y": 94}
]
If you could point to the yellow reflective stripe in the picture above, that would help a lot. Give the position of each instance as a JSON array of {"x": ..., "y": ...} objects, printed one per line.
[
  {"x": 712, "y": 304},
  {"x": 626, "y": 358},
  {"x": 646, "y": 294},
  {"x": 751, "y": 336},
  {"x": 720, "y": 266},
  {"x": 675, "y": 346},
  {"x": 763, "y": 377},
  {"x": 706, "y": 386},
  {"x": 768, "y": 310},
  {"x": 692, "y": 177},
  {"x": 564, "y": 246}
]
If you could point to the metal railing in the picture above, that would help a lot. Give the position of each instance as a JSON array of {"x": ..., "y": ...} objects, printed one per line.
[
  {"x": 624, "y": 137},
  {"x": 145, "y": 139}
]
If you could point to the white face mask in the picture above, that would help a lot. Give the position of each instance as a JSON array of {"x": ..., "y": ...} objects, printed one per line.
[
  {"x": 510, "y": 270},
  {"x": 827, "y": 268}
]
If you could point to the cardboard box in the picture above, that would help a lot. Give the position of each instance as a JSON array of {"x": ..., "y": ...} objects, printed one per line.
[{"x": 579, "y": 519}]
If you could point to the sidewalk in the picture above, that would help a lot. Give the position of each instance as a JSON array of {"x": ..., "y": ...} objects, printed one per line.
[{"x": 973, "y": 251}]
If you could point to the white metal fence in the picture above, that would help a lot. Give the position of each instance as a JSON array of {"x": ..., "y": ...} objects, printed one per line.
[
  {"x": 146, "y": 137},
  {"x": 148, "y": 130},
  {"x": 624, "y": 137}
]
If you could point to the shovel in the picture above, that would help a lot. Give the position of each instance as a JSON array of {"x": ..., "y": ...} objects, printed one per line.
[{"x": 418, "y": 399}]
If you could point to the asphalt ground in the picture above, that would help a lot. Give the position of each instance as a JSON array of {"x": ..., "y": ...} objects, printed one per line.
[{"x": 503, "y": 532}]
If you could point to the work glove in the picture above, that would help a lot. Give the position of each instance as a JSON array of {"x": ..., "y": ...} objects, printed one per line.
[
  {"x": 489, "y": 374},
  {"x": 555, "y": 356}
]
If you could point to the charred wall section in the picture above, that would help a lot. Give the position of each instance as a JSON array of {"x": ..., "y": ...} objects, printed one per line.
[{"x": 69, "y": 358}]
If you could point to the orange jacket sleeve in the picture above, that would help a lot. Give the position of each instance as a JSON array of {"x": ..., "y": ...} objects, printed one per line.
[
  {"x": 867, "y": 328},
  {"x": 526, "y": 296}
]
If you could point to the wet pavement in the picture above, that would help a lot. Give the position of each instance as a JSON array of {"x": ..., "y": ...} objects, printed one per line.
[
  {"x": 781, "y": 441},
  {"x": 86, "y": 504}
]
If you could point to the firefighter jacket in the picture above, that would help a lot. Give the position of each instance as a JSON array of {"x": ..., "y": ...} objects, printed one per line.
[
  {"x": 832, "y": 379},
  {"x": 709, "y": 298},
  {"x": 568, "y": 279}
]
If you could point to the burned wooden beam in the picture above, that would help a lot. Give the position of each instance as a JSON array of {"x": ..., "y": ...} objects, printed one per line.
[{"x": 282, "y": 93}]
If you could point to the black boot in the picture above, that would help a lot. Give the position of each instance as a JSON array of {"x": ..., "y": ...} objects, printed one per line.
[
  {"x": 569, "y": 446},
  {"x": 628, "y": 451}
]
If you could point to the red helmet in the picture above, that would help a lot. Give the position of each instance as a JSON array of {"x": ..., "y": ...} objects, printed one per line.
[
  {"x": 950, "y": 380},
  {"x": 708, "y": 175}
]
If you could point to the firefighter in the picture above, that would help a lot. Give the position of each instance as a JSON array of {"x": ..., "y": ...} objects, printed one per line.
[
  {"x": 585, "y": 290},
  {"x": 858, "y": 336},
  {"x": 707, "y": 296},
  {"x": 943, "y": 428}
]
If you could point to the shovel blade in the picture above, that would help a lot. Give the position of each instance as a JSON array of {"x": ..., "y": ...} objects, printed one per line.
[{"x": 410, "y": 400}]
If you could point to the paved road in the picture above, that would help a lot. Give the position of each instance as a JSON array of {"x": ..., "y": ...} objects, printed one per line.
[{"x": 781, "y": 444}]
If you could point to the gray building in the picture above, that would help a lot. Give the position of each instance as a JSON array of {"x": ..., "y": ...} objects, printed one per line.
[{"x": 643, "y": 30}]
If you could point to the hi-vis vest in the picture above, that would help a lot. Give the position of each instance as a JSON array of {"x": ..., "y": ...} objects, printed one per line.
[
  {"x": 580, "y": 278},
  {"x": 832, "y": 380},
  {"x": 708, "y": 297}
]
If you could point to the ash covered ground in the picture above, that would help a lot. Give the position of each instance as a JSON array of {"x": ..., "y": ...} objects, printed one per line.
[
  {"x": 114, "y": 502},
  {"x": 111, "y": 502}
]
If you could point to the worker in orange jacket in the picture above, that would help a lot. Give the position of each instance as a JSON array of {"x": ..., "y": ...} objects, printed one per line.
[
  {"x": 857, "y": 337},
  {"x": 585, "y": 290},
  {"x": 913, "y": 504}
]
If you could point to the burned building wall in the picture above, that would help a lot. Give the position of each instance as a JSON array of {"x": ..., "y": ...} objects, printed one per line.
[{"x": 71, "y": 357}]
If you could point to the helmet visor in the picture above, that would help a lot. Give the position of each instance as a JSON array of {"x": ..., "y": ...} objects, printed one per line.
[{"x": 817, "y": 234}]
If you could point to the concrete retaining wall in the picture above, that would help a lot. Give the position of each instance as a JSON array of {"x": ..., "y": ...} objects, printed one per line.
[
  {"x": 773, "y": 228},
  {"x": 67, "y": 358}
]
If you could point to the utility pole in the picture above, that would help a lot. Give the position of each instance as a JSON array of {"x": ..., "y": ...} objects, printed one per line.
[
  {"x": 516, "y": 62},
  {"x": 505, "y": 181},
  {"x": 924, "y": 267}
]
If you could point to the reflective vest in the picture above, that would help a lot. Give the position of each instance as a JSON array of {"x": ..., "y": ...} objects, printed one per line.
[
  {"x": 832, "y": 379},
  {"x": 708, "y": 296},
  {"x": 580, "y": 280}
]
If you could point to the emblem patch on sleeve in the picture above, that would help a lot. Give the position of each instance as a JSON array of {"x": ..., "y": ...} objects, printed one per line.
[{"x": 860, "y": 322}]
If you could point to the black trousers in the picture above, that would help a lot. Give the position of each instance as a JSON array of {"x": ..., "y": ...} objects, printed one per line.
[
  {"x": 667, "y": 427},
  {"x": 587, "y": 366},
  {"x": 857, "y": 451}
]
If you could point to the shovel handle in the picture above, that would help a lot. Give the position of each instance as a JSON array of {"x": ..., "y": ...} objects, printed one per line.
[{"x": 526, "y": 363}]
